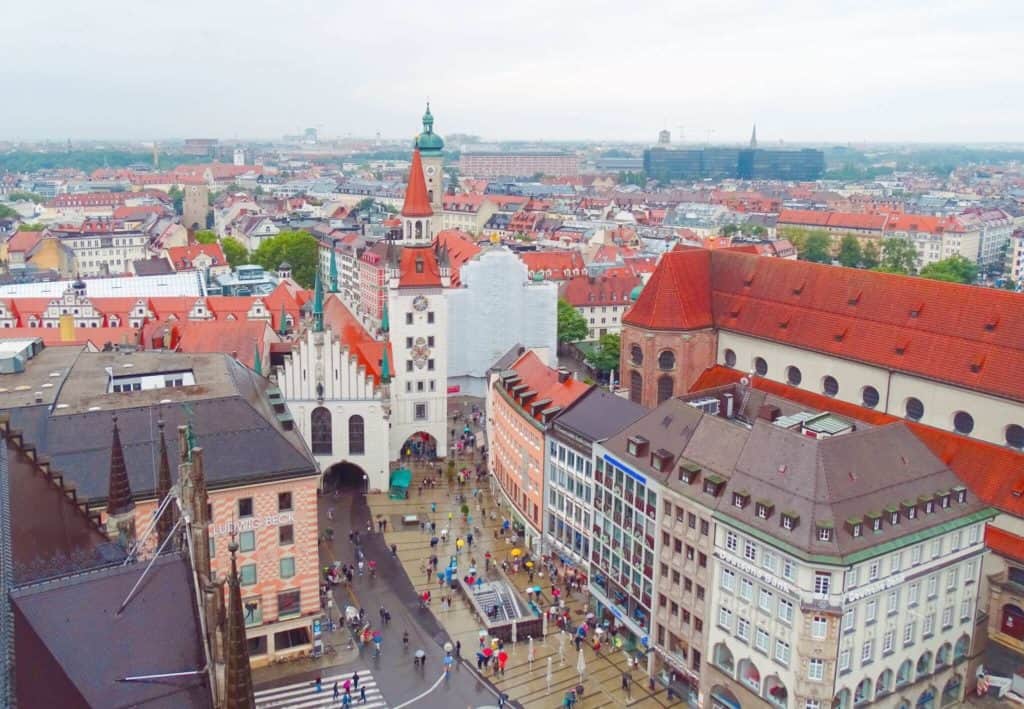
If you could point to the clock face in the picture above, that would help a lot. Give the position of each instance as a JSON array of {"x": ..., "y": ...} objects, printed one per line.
[
  {"x": 420, "y": 303},
  {"x": 430, "y": 170}
]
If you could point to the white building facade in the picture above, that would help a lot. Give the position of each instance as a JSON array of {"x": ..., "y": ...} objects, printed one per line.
[{"x": 496, "y": 308}]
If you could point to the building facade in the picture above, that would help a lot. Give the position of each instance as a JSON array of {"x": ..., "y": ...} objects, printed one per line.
[{"x": 486, "y": 164}]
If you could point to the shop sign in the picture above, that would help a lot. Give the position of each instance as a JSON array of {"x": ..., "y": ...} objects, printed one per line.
[
  {"x": 251, "y": 524},
  {"x": 755, "y": 572}
]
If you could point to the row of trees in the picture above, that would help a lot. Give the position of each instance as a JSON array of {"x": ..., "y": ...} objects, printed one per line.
[
  {"x": 572, "y": 327},
  {"x": 895, "y": 255},
  {"x": 298, "y": 248}
]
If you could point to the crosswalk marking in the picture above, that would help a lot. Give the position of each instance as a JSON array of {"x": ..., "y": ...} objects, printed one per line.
[{"x": 303, "y": 695}]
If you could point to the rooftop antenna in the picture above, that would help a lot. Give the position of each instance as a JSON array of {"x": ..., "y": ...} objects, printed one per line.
[{"x": 745, "y": 389}]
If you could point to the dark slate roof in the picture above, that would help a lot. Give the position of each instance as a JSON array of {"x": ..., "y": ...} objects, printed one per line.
[
  {"x": 599, "y": 414},
  {"x": 155, "y": 266},
  {"x": 241, "y": 440},
  {"x": 73, "y": 648}
]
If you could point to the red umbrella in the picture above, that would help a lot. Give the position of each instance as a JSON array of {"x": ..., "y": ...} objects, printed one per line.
[
  {"x": 488, "y": 652},
  {"x": 502, "y": 657}
]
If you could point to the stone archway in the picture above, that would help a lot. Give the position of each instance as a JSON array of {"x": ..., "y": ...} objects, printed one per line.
[
  {"x": 420, "y": 446},
  {"x": 344, "y": 477}
]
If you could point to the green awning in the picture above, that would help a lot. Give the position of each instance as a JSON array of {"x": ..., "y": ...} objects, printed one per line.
[{"x": 401, "y": 478}]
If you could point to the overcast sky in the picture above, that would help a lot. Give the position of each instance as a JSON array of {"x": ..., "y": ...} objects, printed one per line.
[{"x": 804, "y": 70}]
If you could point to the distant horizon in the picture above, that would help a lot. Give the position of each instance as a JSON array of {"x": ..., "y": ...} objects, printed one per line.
[{"x": 845, "y": 72}]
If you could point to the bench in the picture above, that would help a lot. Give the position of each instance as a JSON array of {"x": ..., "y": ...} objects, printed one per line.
[{"x": 410, "y": 519}]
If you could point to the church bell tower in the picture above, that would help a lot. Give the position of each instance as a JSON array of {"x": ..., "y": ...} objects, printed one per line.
[{"x": 431, "y": 145}]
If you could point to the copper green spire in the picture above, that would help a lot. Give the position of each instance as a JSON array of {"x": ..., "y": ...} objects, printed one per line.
[
  {"x": 334, "y": 270},
  {"x": 257, "y": 365},
  {"x": 318, "y": 304},
  {"x": 385, "y": 322},
  {"x": 282, "y": 323},
  {"x": 385, "y": 367}
]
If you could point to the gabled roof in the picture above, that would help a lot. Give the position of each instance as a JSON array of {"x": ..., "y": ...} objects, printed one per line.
[
  {"x": 419, "y": 268},
  {"x": 417, "y": 203},
  {"x": 607, "y": 289},
  {"x": 183, "y": 257},
  {"x": 460, "y": 249},
  {"x": 561, "y": 264},
  {"x": 678, "y": 294},
  {"x": 543, "y": 380},
  {"x": 23, "y": 240}
]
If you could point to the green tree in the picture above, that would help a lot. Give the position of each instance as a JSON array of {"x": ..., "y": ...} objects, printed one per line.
[
  {"x": 205, "y": 236},
  {"x": 850, "y": 253},
  {"x": 729, "y": 229},
  {"x": 235, "y": 253},
  {"x": 758, "y": 230},
  {"x": 898, "y": 256},
  {"x": 7, "y": 212},
  {"x": 796, "y": 236},
  {"x": 606, "y": 356},
  {"x": 31, "y": 227},
  {"x": 298, "y": 248},
  {"x": 955, "y": 269},
  {"x": 817, "y": 247},
  {"x": 869, "y": 255},
  {"x": 177, "y": 199},
  {"x": 572, "y": 327},
  {"x": 25, "y": 197}
]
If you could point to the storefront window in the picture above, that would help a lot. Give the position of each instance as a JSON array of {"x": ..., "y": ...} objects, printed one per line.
[{"x": 288, "y": 604}]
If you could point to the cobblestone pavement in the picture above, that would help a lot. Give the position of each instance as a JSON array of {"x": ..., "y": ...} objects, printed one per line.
[{"x": 526, "y": 685}]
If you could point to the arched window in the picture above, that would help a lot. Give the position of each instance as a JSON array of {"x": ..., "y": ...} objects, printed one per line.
[
  {"x": 730, "y": 358},
  {"x": 667, "y": 360},
  {"x": 356, "y": 438},
  {"x": 924, "y": 665},
  {"x": 1015, "y": 436},
  {"x": 722, "y": 659},
  {"x": 963, "y": 422},
  {"x": 750, "y": 676},
  {"x": 830, "y": 386},
  {"x": 926, "y": 700},
  {"x": 869, "y": 397},
  {"x": 665, "y": 388},
  {"x": 943, "y": 655},
  {"x": 636, "y": 387},
  {"x": 884, "y": 683},
  {"x": 321, "y": 435},
  {"x": 903, "y": 675},
  {"x": 760, "y": 366},
  {"x": 1013, "y": 622},
  {"x": 951, "y": 692},
  {"x": 419, "y": 229},
  {"x": 636, "y": 355},
  {"x": 914, "y": 409},
  {"x": 961, "y": 648},
  {"x": 862, "y": 695},
  {"x": 841, "y": 700},
  {"x": 794, "y": 376}
]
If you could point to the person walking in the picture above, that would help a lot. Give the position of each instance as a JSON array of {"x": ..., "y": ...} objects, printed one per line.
[
  {"x": 458, "y": 648},
  {"x": 318, "y": 684},
  {"x": 626, "y": 679},
  {"x": 346, "y": 700},
  {"x": 362, "y": 695},
  {"x": 337, "y": 693}
]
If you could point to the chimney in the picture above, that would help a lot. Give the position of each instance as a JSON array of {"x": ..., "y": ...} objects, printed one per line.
[
  {"x": 563, "y": 375},
  {"x": 769, "y": 412},
  {"x": 728, "y": 408}
]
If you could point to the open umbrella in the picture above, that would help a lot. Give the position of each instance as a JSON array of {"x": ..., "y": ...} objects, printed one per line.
[
  {"x": 517, "y": 552},
  {"x": 420, "y": 654},
  {"x": 581, "y": 664},
  {"x": 488, "y": 652},
  {"x": 448, "y": 647}
]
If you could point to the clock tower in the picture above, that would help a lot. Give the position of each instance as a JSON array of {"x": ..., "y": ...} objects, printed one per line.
[{"x": 431, "y": 145}]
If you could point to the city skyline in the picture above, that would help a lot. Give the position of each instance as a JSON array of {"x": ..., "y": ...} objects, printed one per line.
[{"x": 848, "y": 72}]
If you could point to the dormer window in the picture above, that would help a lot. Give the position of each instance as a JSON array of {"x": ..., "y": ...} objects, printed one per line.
[
  {"x": 636, "y": 446},
  {"x": 740, "y": 499},
  {"x": 927, "y": 504},
  {"x": 894, "y": 515},
  {"x": 713, "y": 485},
  {"x": 661, "y": 460},
  {"x": 961, "y": 494},
  {"x": 763, "y": 509},
  {"x": 876, "y": 522},
  {"x": 944, "y": 500},
  {"x": 789, "y": 520},
  {"x": 824, "y": 530},
  {"x": 689, "y": 473},
  {"x": 909, "y": 509},
  {"x": 855, "y": 526}
]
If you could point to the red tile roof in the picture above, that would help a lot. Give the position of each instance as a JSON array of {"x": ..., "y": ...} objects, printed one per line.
[
  {"x": 611, "y": 288},
  {"x": 678, "y": 294},
  {"x": 557, "y": 265},
  {"x": 416, "y": 202},
  {"x": 23, "y": 241},
  {"x": 419, "y": 268},
  {"x": 833, "y": 220},
  {"x": 923, "y": 223},
  {"x": 897, "y": 322},
  {"x": 183, "y": 257},
  {"x": 461, "y": 248},
  {"x": 1004, "y": 543},
  {"x": 139, "y": 212},
  {"x": 544, "y": 380},
  {"x": 239, "y": 337},
  {"x": 991, "y": 472},
  {"x": 368, "y": 351}
]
